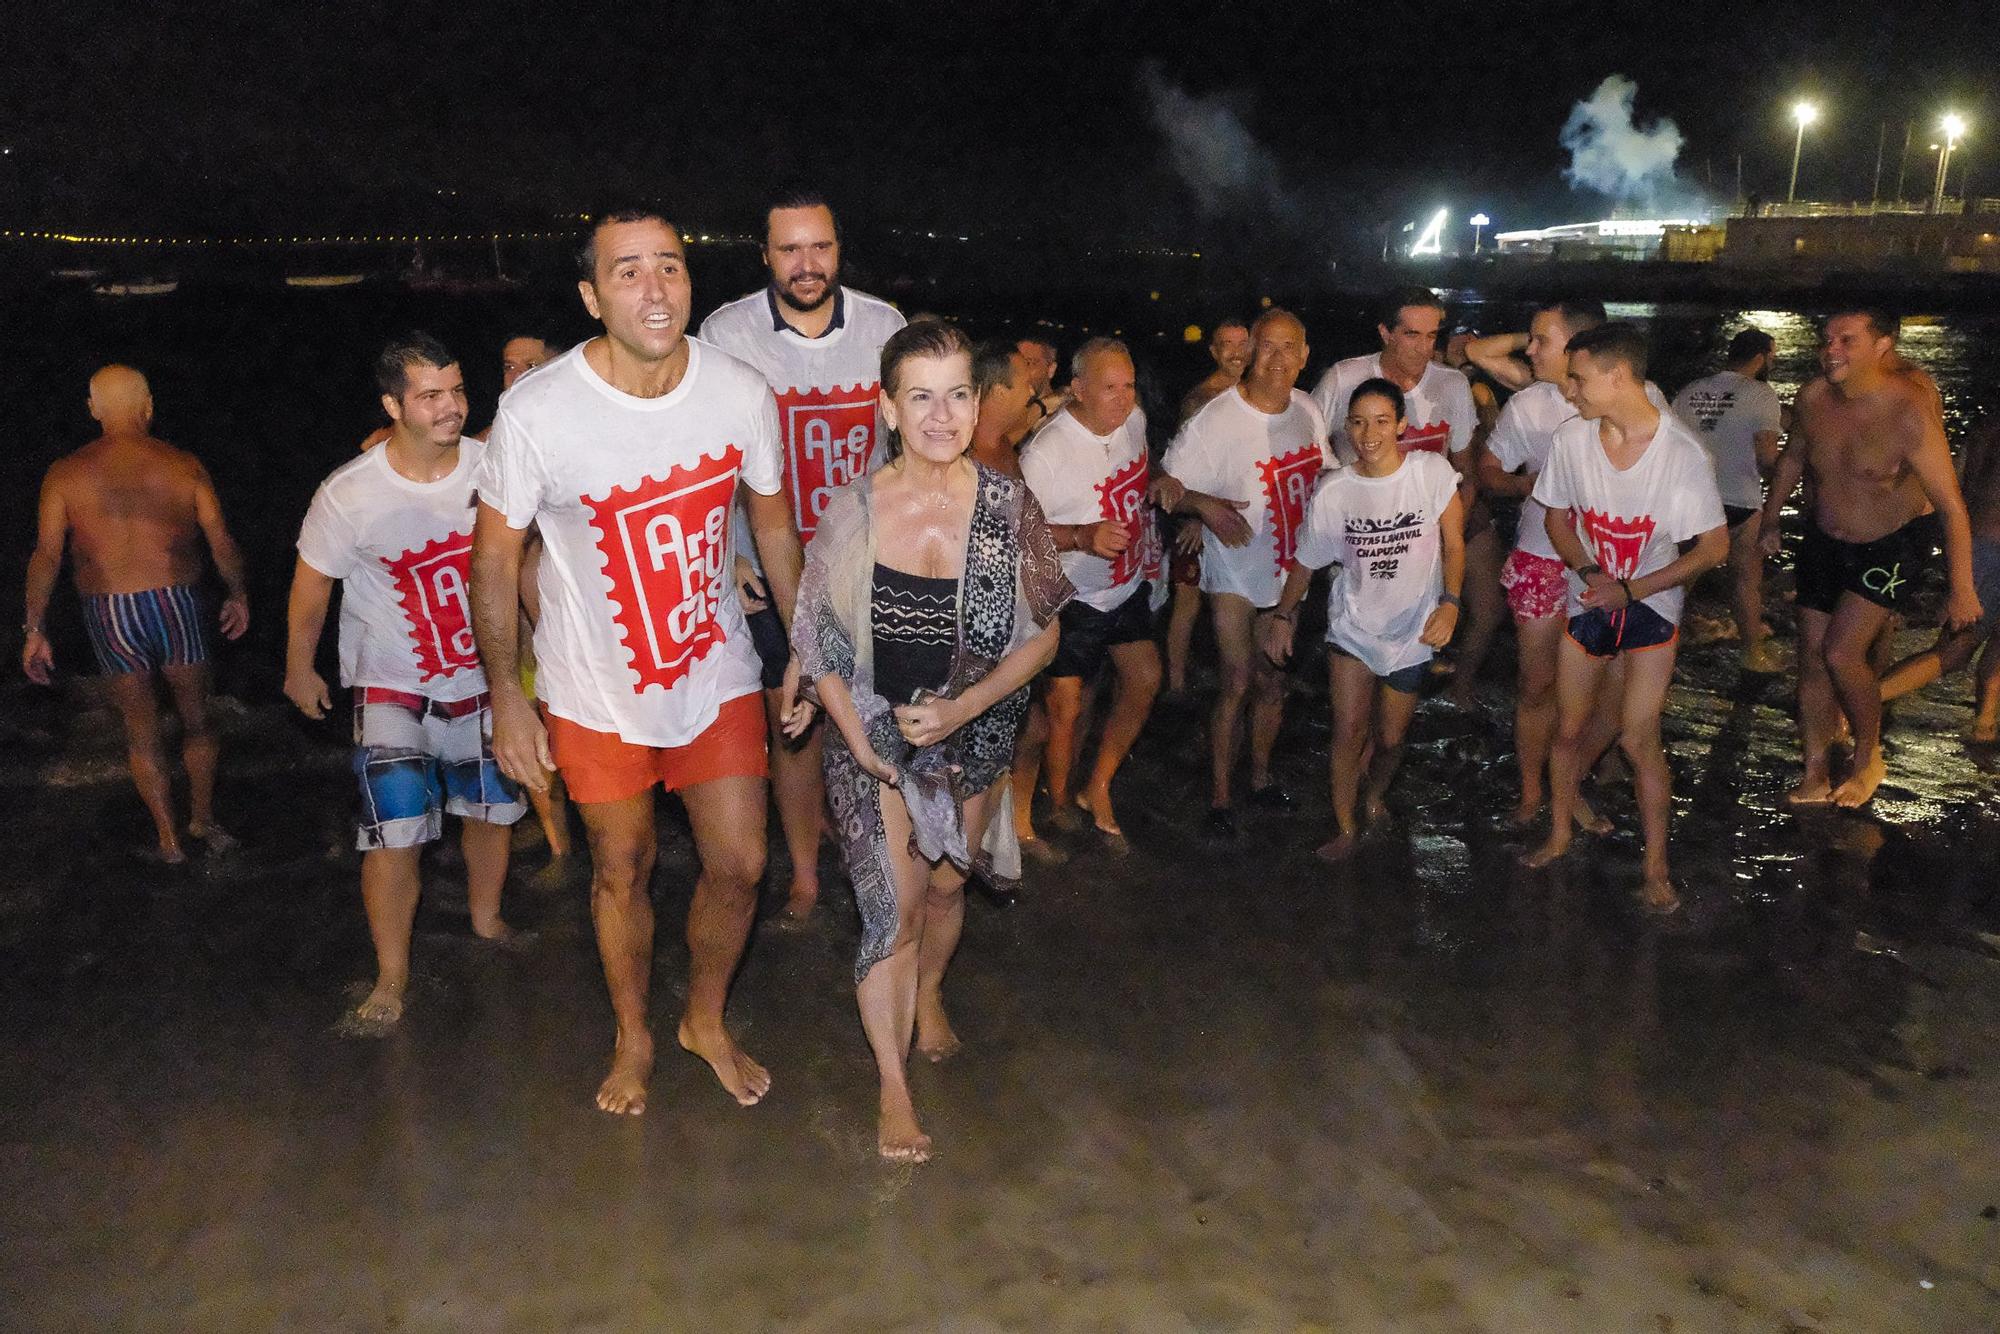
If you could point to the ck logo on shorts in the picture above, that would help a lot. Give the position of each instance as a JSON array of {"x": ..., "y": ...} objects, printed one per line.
[
  {"x": 1885, "y": 582},
  {"x": 1432, "y": 439},
  {"x": 664, "y": 542},
  {"x": 1288, "y": 484},
  {"x": 431, "y": 584},
  {"x": 1617, "y": 542},
  {"x": 829, "y": 434},
  {"x": 1121, "y": 498}
]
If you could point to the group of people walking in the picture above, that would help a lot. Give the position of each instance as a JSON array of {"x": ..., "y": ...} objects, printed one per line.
[{"x": 880, "y": 572}]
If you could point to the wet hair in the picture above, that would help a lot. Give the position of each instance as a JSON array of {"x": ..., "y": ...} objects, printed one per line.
[
  {"x": 1576, "y": 315},
  {"x": 924, "y": 338},
  {"x": 1091, "y": 347},
  {"x": 800, "y": 196},
  {"x": 1395, "y": 302},
  {"x": 1886, "y": 323},
  {"x": 415, "y": 348},
  {"x": 536, "y": 332},
  {"x": 1748, "y": 345},
  {"x": 1227, "y": 322},
  {"x": 993, "y": 366},
  {"x": 1038, "y": 341},
  {"x": 1274, "y": 313},
  {"x": 1378, "y": 387},
  {"x": 586, "y": 241},
  {"x": 1616, "y": 341}
]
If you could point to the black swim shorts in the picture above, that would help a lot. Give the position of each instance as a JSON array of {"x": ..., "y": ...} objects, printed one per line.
[
  {"x": 1883, "y": 572},
  {"x": 1088, "y": 634},
  {"x": 774, "y": 649}
]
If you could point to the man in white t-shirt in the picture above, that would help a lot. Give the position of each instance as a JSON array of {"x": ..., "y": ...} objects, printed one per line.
[
  {"x": 1089, "y": 469},
  {"x": 1443, "y": 419},
  {"x": 627, "y": 454},
  {"x": 394, "y": 529},
  {"x": 819, "y": 345},
  {"x": 1632, "y": 510},
  {"x": 1245, "y": 466},
  {"x": 1737, "y": 418}
]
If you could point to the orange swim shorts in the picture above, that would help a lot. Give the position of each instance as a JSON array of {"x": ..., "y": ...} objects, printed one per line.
[{"x": 602, "y": 766}]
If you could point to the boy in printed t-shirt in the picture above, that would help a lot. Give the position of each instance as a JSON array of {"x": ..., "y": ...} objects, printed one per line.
[
  {"x": 1627, "y": 488},
  {"x": 394, "y": 528}
]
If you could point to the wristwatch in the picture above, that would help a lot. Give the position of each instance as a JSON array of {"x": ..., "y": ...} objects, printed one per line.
[{"x": 1450, "y": 600}]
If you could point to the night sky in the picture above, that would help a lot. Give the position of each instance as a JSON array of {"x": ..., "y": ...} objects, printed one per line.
[{"x": 258, "y": 115}]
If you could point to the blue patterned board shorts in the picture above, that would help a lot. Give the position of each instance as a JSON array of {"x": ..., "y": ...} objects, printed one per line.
[
  {"x": 143, "y": 632},
  {"x": 416, "y": 761}
]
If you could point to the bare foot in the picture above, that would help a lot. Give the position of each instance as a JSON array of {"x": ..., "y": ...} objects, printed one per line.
[
  {"x": 897, "y": 1135},
  {"x": 1525, "y": 814},
  {"x": 1336, "y": 850},
  {"x": 382, "y": 1007},
  {"x": 1373, "y": 811},
  {"x": 1589, "y": 821},
  {"x": 1549, "y": 853},
  {"x": 1984, "y": 731},
  {"x": 1813, "y": 790},
  {"x": 166, "y": 854},
  {"x": 799, "y": 905},
  {"x": 1657, "y": 896},
  {"x": 1860, "y": 786},
  {"x": 935, "y": 1039},
  {"x": 1098, "y": 805},
  {"x": 745, "y": 1080},
  {"x": 623, "y": 1092},
  {"x": 218, "y": 841}
]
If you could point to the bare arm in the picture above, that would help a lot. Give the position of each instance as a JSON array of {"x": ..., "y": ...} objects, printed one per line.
[
  {"x": 927, "y": 724},
  {"x": 1451, "y": 533},
  {"x": 1709, "y": 550},
  {"x": 51, "y": 533},
  {"x": 223, "y": 551},
  {"x": 1766, "y": 444},
  {"x": 305, "y": 619},
  {"x": 520, "y": 743},
  {"x": 777, "y": 547},
  {"x": 1785, "y": 477},
  {"x": 1931, "y": 461},
  {"x": 1504, "y": 357},
  {"x": 1495, "y": 478}
]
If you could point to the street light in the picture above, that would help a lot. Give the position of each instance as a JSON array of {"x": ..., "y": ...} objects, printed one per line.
[
  {"x": 1479, "y": 223},
  {"x": 1953, "y": 126},
  {"x": 1805, "y": 113}
]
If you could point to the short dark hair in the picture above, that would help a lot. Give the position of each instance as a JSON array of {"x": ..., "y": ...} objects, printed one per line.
[
  {"x": 586, "y": 247},
  {"x": 1039, "y": 341},
  {"x": 1227, "y": 322},
  {"x": 1395, "y": 302},
  {"x": 1748, "y": 345},
  {"x": 1885, "y": 322},
  {"x": 1616, "y": 341},
  {"x": 924, "y": 338},
  {"x": 1378, "y": 387},
  {"x": 800, "y": 196},
  {"x": 415, "y": 348},
  {"x": 993, "y": 365},
  {"x": 1576, "y": 315}
]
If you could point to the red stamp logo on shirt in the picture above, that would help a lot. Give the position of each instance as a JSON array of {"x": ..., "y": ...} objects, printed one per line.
[
  {"x": 1617, "y": 542},
  {"x": 1432, "y": 439},
  {"x": 431, "y": 584},
  {"x": 663, "y": 543},
  {"x": 1121, "y": 498},
  {"x": 1288, "y": 484},
  {"x": 829, "y": 435}
]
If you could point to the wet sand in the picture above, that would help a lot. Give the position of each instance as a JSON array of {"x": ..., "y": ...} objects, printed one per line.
[{"x": 1202, "y": 1089}]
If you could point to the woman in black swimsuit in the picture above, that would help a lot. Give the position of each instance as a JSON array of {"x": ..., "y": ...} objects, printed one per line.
[{"x": 929, "y": 601}]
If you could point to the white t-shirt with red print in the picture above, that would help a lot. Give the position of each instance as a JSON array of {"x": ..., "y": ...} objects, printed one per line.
[
  {"x": 1438, "y": 415},
  {"x": 1233, "y": 451},
  {"x": 1523, "y": 437},
  {"x": 401, "y": 551},
  {"x": 828, "y": 413},
  {"x": 640, "y": 634},
  {"x": 1081, "y": 477},
  {"x": 1632, "y": 522}
]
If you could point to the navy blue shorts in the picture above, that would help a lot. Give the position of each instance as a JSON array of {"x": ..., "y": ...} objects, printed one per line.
[
  {"x": 1409, "y": 680},
  {"x": 1606, "y": 634}
]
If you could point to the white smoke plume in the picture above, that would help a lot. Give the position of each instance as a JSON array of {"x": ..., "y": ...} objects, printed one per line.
[
  {"x": 1616, "y": 156},
  {"x": 1213, "y": 151}
]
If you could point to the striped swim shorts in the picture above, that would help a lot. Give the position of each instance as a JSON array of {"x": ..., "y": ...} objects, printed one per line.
[{"x": 143, "y": 632}]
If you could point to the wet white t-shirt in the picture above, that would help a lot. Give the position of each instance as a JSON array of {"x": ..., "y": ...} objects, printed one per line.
[
  {"x": 1523, "y": 437},
  {"x": 1632, "y": 522},
  {"x": 638, "y": 636},
  {"x": 1726, "y": 411},
  {"x": 1235, "y": 452},
  {"x": 829, "y": 416},
  {"x": 401, "y": 551},
  {"x": 1438, "y": 415},
  {"x": 1081, "y": 477},
  {"x": 1384, "y": 534}
]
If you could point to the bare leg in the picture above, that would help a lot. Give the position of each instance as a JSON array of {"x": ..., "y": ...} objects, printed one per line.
[
  {"x": 1028, "y": 748},
  {"x": 1393, "y": 711},
  {"x": 799, "y": 784},
  {"x": 1267, "y": 718},
  {"x": 1537, "y": 642},
  {"x": 1233, "y": 618},
  {"x": 1062, "y": 696},
  {"x": 1648, "y": 673},
  {"x": 1986, "y": 721},
  {"x": 728, "y": 819},
  {"x": 132, "y": 692},
  {"x": 486, "y": 849},
  {"x": 1948, "y": 655},
  {"x": 199, "y": 752},
  {"x": 1180, "y": 633},
  {"x": 389, "y": 890},
  {"x": 1746, "y": 587},
  {"x": 944, "y": 920},
  {"x": 887, "y": 994},
  {"x": 1848, "y": 652},
  {"x": 1136, "y": 680},
  {"x": 1485, "y": 606},
  {"x": 1579, "y": 677},
  {"x": 1351, "y": 687},
  {"x": 622, "y": 849},
  {"x": 1819, "y": 712}
]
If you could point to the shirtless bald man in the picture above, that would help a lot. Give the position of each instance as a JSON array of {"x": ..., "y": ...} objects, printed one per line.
[
  {"x": 135, "y": 507},
  {"x": 1872, "y": 440}
]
